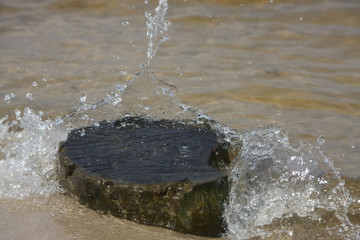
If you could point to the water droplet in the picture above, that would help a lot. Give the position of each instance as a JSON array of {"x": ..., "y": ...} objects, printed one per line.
[
  {"x": 34, "y": 84},
  {"x": 113, "y": 98},
  {"x": 58, "y": 121},
  {"x": 122, "y": 73},
  {"x": 300, "y": 18},
  {"x": 321, "y": 140},
  {"x": 125, "y": 23},
  {"x": 146, "y": 1},
  {"x": 44, "y": 79},
  {"x": 8, "y": 97},
  {"x": 29, "y": 96},
  {"x": 121, "y": 87},
  {"x": 83, "y": 98},
  {"x": 82, "y": 133},
  {"x": 143, "y": 66},
  {"x": 353, "y": 146}
]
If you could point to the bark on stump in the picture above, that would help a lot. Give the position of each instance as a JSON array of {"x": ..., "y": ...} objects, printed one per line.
[{"x": 155, "y": 172}]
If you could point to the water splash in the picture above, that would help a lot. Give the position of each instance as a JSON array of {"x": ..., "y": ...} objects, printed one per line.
[
  {"x": 28, "y": 150},
  {"x": 277, "y": 189},
  {"x": 142, "y": 94},
  {"x": 157, "y": 26}
]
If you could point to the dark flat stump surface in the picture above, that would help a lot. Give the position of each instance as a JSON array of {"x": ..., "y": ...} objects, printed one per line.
[{"x": 139, "y": 152}]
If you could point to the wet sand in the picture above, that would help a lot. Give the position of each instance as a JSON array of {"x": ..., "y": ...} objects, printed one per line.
[{"x": 60, "y": 217}]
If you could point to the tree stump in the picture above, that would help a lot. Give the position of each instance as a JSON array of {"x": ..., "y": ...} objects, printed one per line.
[{"x": 155, "y": 172}]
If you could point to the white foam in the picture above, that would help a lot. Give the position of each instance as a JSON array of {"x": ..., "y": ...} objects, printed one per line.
[
  {"x": 28, "y": 151},
  {"x": 272, "y": 181}
]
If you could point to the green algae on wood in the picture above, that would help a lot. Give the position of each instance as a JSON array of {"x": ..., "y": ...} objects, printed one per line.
[{"x": 155, "y": 172}]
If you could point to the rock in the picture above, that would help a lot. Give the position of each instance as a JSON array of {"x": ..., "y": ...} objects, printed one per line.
[{"x": 155, "y": 172}]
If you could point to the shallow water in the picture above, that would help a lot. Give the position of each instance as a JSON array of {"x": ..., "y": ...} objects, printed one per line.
[{"x": 244, "y": 64}]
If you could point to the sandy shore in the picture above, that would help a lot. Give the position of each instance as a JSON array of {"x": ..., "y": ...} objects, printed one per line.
[{"x": 60, "y": 217}]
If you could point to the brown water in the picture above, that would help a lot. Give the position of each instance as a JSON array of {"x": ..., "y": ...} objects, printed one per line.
[{"x": 244, "y": 63}]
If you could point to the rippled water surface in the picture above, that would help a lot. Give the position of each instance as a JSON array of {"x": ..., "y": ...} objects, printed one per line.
[{"x": 244, "y": 63}]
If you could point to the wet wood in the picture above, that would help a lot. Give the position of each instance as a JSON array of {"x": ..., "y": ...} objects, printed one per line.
[{"x": 158, "y": 173}]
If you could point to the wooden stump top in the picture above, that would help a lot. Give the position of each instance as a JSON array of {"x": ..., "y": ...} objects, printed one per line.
[{"x": 141, "y": 151}]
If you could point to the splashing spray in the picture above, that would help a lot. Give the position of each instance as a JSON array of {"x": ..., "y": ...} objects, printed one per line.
[
  {"x": 28, "y": 155},
  {"x": 157, "y": 26},
  {"x": 279, "y": 191},
  {"x": 157, "y": 99}
]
